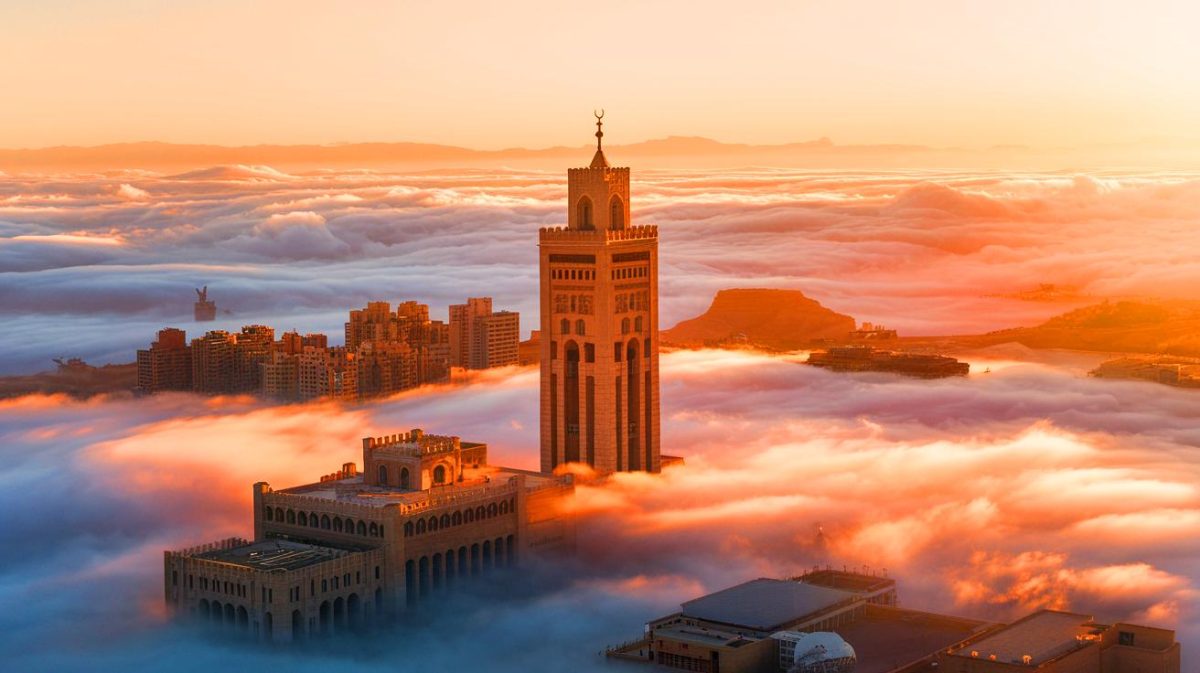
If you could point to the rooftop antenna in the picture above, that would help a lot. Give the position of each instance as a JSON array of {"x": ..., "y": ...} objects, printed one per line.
[{"x": 599, "y": 133}]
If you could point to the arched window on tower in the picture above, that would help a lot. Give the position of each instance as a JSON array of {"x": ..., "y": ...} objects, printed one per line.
[
  {"x": 580, "y": 327},
  {"x": 637, "y": 324},
  {"x": 564, "y": 327},
  {"x": 583, "y": 214},
  {"x": 383, "y": 475},
  {"x": 439, "y": 474},
  {"x": 616, "y": 218},
  {"x": 625, "y": 326},
  {"x": 404, "y": 477}
]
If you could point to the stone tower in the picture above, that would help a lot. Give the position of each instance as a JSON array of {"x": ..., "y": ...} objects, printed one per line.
[{"x": 599, "y": 333}]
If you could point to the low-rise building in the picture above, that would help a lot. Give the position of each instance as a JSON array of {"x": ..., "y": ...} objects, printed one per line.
[
  {"x": 1052, "y": 641},
  {"x": 832, "y": 621},
  {"x": 427, "y": 513}
]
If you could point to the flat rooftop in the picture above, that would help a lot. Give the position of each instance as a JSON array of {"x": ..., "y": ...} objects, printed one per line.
[
  {"x": 765, "y": 604},
  {"x": 888, "y": 638},
  {"x": 847, "y": 581},
  {"x": 274, "y": 555},
  {"x": 355, "y": 490},
  {"x": 1043, "y": 636},
  {"x": 702, "y": 636}
]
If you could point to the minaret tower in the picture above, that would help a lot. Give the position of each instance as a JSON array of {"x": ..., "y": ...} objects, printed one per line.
[{"x": 599, "y": 333}]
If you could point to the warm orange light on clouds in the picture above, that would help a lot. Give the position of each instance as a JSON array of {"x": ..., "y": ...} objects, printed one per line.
[{"x": 491, "y": 75}]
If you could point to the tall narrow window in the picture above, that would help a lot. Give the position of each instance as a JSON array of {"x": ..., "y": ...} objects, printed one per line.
[
  {"x": 584, "y": 213},
  {"x": 616, "y": 218}
]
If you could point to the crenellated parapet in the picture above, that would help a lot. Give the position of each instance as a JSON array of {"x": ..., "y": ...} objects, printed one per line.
[
  {"x": 568, "y": 235},
  {"x": 219, "y": 545},
  {"x": 413, "y": 443}
]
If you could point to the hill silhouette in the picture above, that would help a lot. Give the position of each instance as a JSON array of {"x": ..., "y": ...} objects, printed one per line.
[{"x": 773, "y": 319}]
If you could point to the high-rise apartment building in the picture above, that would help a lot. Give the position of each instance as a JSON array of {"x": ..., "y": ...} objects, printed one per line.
[
  {"x": 252, "y": 350},
  {"x": 481, "y": 338},
  {"x": 385, "y": 368},
  {"x": 599, "y": 328},
  {"x": 281, "y": 376},
  {"x": 167, "y": 364},
  {"x": 328, "y": 372},
  {"x": 496, "y": 340},
  {"x": 462, "y": 328},
  {"x": 213, "y": 362}
]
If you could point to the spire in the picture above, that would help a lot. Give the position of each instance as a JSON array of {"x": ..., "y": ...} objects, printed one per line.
[{"x": 599, "y": 161}]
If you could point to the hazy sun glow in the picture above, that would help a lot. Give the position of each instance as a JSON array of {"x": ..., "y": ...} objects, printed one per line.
[{"x": 933, "y": 72}]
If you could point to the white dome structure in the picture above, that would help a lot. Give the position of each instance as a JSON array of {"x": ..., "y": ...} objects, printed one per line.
[{"x": 821, "y": 652}]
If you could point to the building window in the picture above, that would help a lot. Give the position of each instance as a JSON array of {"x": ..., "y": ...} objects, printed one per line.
[
  {"x": 616, "y": 213},
  {"x": 625, "y": 326},
  {"x": 404, "y": 478},
  {"x": 439, "y": 474},
  {"x": 1125, "y": 638},
  {"x": 383, "y": 477},
  {"x": 589, "y": 352},
  {"x": 584, "y": 213},
  {"x": 637, "y": 324},
  {"x": 580, "y": 328}
]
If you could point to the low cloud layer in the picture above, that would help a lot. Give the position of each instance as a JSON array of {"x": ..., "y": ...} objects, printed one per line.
[
  {"x": 926, "y": 252},
  {"x": 990, "y": 496}
]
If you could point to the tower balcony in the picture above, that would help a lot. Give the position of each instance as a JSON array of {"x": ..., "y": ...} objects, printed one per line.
[{"x": 565, "y": 235}]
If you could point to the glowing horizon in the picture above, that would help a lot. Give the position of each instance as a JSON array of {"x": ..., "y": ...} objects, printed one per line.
[{"x": 941, "y": 73}]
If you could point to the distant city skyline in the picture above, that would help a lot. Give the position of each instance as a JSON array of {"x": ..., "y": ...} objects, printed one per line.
[{"x": 936, "y": 73}]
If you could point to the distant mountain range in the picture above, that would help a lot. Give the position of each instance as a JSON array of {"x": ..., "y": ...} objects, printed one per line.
[
  {"x": 671, "y": 152},
  {"x": 784, "y": 320}
]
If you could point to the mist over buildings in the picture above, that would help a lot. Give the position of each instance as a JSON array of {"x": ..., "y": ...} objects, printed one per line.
[
  {"x": 989, "y": 496},
  {"x": 92, "y": 264}
]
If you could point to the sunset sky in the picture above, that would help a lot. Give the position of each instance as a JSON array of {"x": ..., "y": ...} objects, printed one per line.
[
  {"x": 1066, "y": 178},
  {"x": 494, "y": 75}
]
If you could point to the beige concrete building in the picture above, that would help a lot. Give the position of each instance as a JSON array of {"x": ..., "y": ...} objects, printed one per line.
[
  {"x": 831, "y": 621},
  {"x": 1051, "y": 641},
  {"x": 281, "y": 376},
  {"x": 251, "y": 350},
  {"x": 481, "y": 338},
  {"x": 462, "y": 327},
  {"x": 426, "y": 514},
  {"x": 385, "y": 368},
  {"x": 497, "y": 340},
  {"x": 167, "y": 364},
  {"x": 327, "y": 372},
  {"x": 213, "y": 362},
  {"x": 599, "y": 328}
]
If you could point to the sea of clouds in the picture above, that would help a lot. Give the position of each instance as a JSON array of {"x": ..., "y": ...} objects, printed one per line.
[
  {"x": 1028, "y": 486},
  {"x": 93, "y": 265}
]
